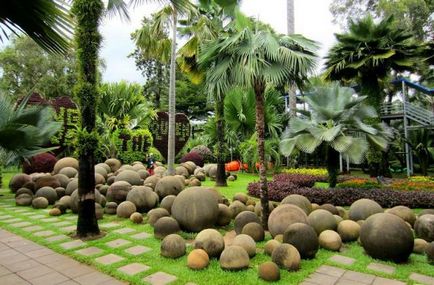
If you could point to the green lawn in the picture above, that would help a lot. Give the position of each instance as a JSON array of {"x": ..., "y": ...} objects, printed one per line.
[{"x": 211, "y": 275}]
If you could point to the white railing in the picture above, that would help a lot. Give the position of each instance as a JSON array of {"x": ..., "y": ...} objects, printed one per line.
[{"x": 413, "y": 112}]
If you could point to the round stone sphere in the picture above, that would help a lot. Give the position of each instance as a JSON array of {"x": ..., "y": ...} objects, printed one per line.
[
  {"x": 40, "y": 203},
  {"x": 114, "y": 164},
  {"x": 404, "y": 213},
  {"x": 47, "y": 181},
  {"x": 299, "y": 201},
  {"x": 23, "y": 191},
  {"x": 225, "y": 215},
  {"x": 247, "y": 243},
  {"x": 421, "y": 213},
  {"x": 118, "y": 191},
  {"x": 47, "y": 192},
  {"x": 254, "y": 230},
  {"x": 269, "y": 271},
  {"x": 258, "y": 208},
  {"x": 24, "y": 199},
  {"x": 236, "y": 208},
  {"x": 211, "y": 241},
  {"x": 363, "y": 208},
  {"x": 55, "y": 212},
  {"x": 168, "y": 185},
  {"x": 429, "y": 251},
  {"x": 284, "y": 216},
  {"x": 155, "y": 214},
  {"x": 424, "y": 227},
  {"x": 330, "y": 240},
  {"x": 172, "y": 246},
  {"x": 304, "y": 238},
  {"x": 270, "y": 246},
  {"x": 234, "y": 258},
  {"x": 129, "y": 176},
  {"x": 143, "y": 197},
  {"x": 195, "y": 209},
  {"x": 322, "y": 220},
  {"x": 197, "y": 259},
  {"x": 72, "y": 186},
  {"x": 419, "y": 246},
  {"x": 286, "y": 256},
  {"x": 243, "y": 219},
  {"x": 165, "y": 226},
  {"x": 110, "y": 208},
  {"x": 18, "y": 181},
  {"x": 136, "y": 218},
  {"x": 242, "y": 197},
  {"x": 65, "y": 162},
  {"x": 167, "y": 202},
  {"x": 349, "y": 230},
  {"x": 125, "y": 209},
  {"x": 68, "y": 171},
  {"x": 386, "y": 236}
]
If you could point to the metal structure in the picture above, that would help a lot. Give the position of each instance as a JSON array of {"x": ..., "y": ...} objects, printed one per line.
[{"x": 414, "y": 117}]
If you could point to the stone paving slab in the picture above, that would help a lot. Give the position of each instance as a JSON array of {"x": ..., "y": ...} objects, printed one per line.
[
  {"x": 342, "y": 259},
  {"x": 160, "y": 278},
  {"x": 72, "y": 244},
  {"x": 109, "y": 259},
  {"x": 381, "y": 268},
  {"x": 137, "y": 250},
  {"x": 384, "y": 281},
  {"x": 117, "y": 243},
  {"x": 44, "y": 234},
  {"x": 22, "y": 224},
  {"x": 32, "y": 229},
  {"x": 124, "y": 231},
  {"x": 133, "y": 268},
  {"x": 141, "y": 235},
  {"x": 109, "y": 225},
  {"x": 88, "y": 251},
  {"x": 424, "y": 279}
]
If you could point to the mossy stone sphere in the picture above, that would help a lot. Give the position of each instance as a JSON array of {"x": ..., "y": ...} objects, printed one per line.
[
  {"x": 424, "y": 227},
  {"x": 269, "y": 271},
  {"x": 62, "y": 179},
  {"x": 284, "y": 216},
  {"x": 136, "y": 218},
  {"x": 151, "y": 181},
  {"x": 40, "y": 203},
  {"x": 304, "y": 238},
  {"x": 18, "y": 181},
  {"x": 61, "y": 207},
  {"x": 167, "y": 202},
  {"x": 225, "y": 215},
  {"x": 348, "y": 230},
  {"x": 181, "y": 170},
  {"x": 419, "y": 246},
  {"x": 197, "y": 259},
  {"x": 172, "y": 246},
  {"x": 429, "y": 251},
  {"x": 234, "y": 257},
  {"x": 125, "y": 209},
  {"x": 47, "y": 181},
  {"x": 155, "y": 214},
  {"x": 168, "y": 185},
  {"x": 254, "y": 230},
  {"x": 330, "y": 240},
  {"x": 322, "y": 220},
  {"x": 196, "y": 208},
  {"x": 165, "y": 226},
  {"x": 211, "y": 241},
  {"x": 143, "y": 197},
  {"x": 129, "y": 176},
  {"x": 329, "y": 207},
  {"x": 110, "y": 208},
  {"x": 286, "y": 256},
  {"x": 69, "y": 172},
  {"x": 404, "y": 213},
  {"x": 114, "y": 164},
  {"x": 72, "y": 186},
  {"x": 386, "y": 236},
  {"x": 364, "y": 208},
  {"x": 65, "y": 162},
  {"x": 270, "y": 246},
  {"x": 299, "y": 201},
  {"x": 160, "y": 171},
  {"x": 105, "y": 166},
  {"x": 243, "y": 219},
  {"x": 237, "y": 207},
  {"x": 118, "y": 191},
  {"x": 24, "y": 199},
  {"x": 247, "y": 243},
  {"x": 242, "y": 197},
  {"x": 47, "y": 192}
]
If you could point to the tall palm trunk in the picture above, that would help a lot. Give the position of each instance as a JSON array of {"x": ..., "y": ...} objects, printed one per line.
[
  {"x": 88, "y": 39},
  {"x": 172, "y": 101},
  {"x": 260, "y": 130},
  {"x": 220, "y": 124},
  {"x": 332, "y": 166}
]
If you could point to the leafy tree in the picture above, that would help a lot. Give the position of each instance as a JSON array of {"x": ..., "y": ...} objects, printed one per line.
[
  {"x": 255, "y": 57},
  {"x": 27, "y": 68},
  {"x": 47, "y": 22},
  {"x": 422, "y": 145},
  {"x": 412, "y": 15},
  {"x": 339, "y": 120}
]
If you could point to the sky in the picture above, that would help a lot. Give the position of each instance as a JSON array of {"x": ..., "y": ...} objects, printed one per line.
[{"x": 312, "y": 19}]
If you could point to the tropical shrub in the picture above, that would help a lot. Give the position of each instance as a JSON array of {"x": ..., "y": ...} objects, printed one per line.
[
  {"x": 43, "y": 162},
  {"x": 205, "y": 152},
  {"x": 300, "y": 180},
  {"x": 193, "y": 156},
  {"x": 409, "y": 185},
  {"x": 306, "y": 171}
]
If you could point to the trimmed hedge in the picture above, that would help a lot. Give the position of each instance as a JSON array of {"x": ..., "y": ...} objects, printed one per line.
[
  {"x": 193, "y": 156},
  {"x": 346, "y": 196},
  {"x": 301, "y": 180}
]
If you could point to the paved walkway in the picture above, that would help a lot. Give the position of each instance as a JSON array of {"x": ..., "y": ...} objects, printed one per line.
[{"x": 25, "y": 262}]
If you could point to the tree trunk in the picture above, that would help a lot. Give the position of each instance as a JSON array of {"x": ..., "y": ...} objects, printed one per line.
[
  {"x": 88, "y": 39},
  {"x": 220, "y": 124},
  {"x": 292, "y": 98},
  {"x": 260, "y": 130},
  {"x": 332, "y": 166},
  {"x": 172, "y": 101}
]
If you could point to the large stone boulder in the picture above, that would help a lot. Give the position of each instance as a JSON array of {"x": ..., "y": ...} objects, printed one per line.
[
  {"x": 270, "y": 246},
  {"x": 155, "y": 214},
  {"x": 72, "y": 186},
  {"x": 255, "y": 230},
  {"x": 40, "y": 203},
  {"x": 424, "y": 227},
  {"x": 18, "y": 181},
  {"x": 269, "y": 271},
  {"x": 304, "y": 238},
  {"x": 143, "y": 197},
  {"x": 165, "y": 226},
  {"x": 349, "y": 230},
  {"x": 172, "y": 246},
  {"x": 299, "y": 201},
  {"x": 114, "y": 164},
  {"x": 125, "y": 209},
  {"x": 63, "y": 179},
  {"x": 195, "y": 209},
  {"x": 167, "y": 202},
  {"x": 168, "y": 185},
  {"x": 429, "y": 251},
  {"x": 237, "y": 207},
  {"x": 363, "y": 208},
  {"x": 404, "y": 213},
  {"x": 286, "y": 256},
  {"x": 47, "y": 192},
  {"x": 45, "y": 181},
  {"x": 224, "y": 216},
  {"x": 118, "y": 191},
  {"x": 69, "y": 172},
  {"x": 247, "y": 243},
  {"x": 284, "y": 216},
  {"x": 211, "y": 241},
  {"x": 330, "y": 240},
  {"x": 234, "y": 257},
  {"x": 197, "y": 259},
  {"x": 243, "y": 219},
  {"x": 386, "y": 236},
  {"x": 322, "y": 220},
  {"x": 152, "y": 181},
  {"x": 65, "y": 162},
  {"x": 24, "y": 199},
  {"x": 181, "y": 170},
  {"x": 129, "y": 176}
]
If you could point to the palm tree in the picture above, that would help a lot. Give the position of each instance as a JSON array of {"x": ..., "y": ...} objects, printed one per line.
[
  {"x": 23, "y": 130},
  {"x": 255, "y": 58},
  {"x": 340, "y": 121},
  {"x": 47, "y": 22}
]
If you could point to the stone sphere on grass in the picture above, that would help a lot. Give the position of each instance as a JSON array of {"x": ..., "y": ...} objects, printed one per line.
[
  {"x": 429, "y": 251},
  {"x": 69, "y": 172},
  {"x": 286, "y": 256},
  {"x": 168, "y": 185},
  {"x": 114, "y": 164},
  {"x": 99, "y": 211},
  {"x": 18, "y": 181},
  {"x": 63, "y": 179},
  {"x": 330, "y": 207},
  {"x": 269, "y": 271},
  {"x": 270, "y": 246},
  {"x": 172, "y": 246},
  {"x": 167, "y": 202},
  {"x": 143, "y": 197},
  {"x": 404, "y": 213},
  {"x": 23, "y": 191},
  {"x": 136, "y": 218},
  {"x": 234, "y": 257},
  {"x": 60, "y": 192},
  {"x": 125, "y": 209},
  {"x": 55, "y": 212},
  {"x": 40, "y": 203},
  {"x": 47, "y": 192},
  {"x": 165, "y": 226},
  {"x": 330, "y": 240},
  {"x": 197, "y": 259},
  {"x": 151, "y": 181},
  {"x": 304, "y": 238},
  {"x": 254, "y": 230},
  {"x": 363, "y": 208},
  {"x": 155, "y": 214},
  {"x": 243, "y": 219},
  {"x": 283, "y": 216},
  {"x": 322, "y": 220},
  {"x": 129, "y": 176},
  {"x": 65, "y": 162},
  {"x": 211, "y": 241},
  {"x": 118, "y": 191},
  {"x": 110, "y": 208},
  {"x": 348, "y": 230},
  {"x": 72, "y": 186},
  {"x": 247, "y": 243},
  {"x": 424, "y": 227},
  {"x": 236, "y": 208},
  {"x": 225, "y": 215},
  {"x": 24, "y": 199},
  {"x": 419, "y": 246},
  {"x": 299, "y": 201},
  {"x": 386, "y": 236},
  {"x": 243, "y": 198}
]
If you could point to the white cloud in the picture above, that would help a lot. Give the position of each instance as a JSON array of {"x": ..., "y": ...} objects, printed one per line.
[{"x": 312, "y": 19}]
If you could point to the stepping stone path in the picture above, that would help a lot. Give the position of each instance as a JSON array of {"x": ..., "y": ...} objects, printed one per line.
[
  {"x": 124, "y": 231},
  {"x": 117, "y": 243},
  {"x": 142, "y": 235},
  {"x": 160, "y": 278},
  {"x": 381, "y": 268},
  {"x": 342, "y": 259},
  {"x": 88, "y": 251},
  {"x": 137, "y": 250},
  {"x": 133, "y": 268},
  {"x": 109, "y": 259},
  {"x": 72, "y": 244}
]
